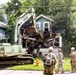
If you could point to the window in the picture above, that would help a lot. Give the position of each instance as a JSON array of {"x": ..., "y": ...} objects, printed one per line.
[
  {"x": 46, "y": 26},
  {"x": 38, "y": 26},
  {"x": 58, "y": 41}
]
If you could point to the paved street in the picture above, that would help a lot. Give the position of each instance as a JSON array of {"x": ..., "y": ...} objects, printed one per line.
[{"x": 19, "y": 72}]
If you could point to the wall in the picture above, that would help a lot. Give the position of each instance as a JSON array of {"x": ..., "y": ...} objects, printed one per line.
[
  {"x": 43, "y": 20},
  {"x": 2, "y": 33}
]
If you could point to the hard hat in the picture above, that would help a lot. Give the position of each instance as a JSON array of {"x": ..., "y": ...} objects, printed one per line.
[
  {"x": 72, "y": 48},
  {"x": 51, "y": 48}
]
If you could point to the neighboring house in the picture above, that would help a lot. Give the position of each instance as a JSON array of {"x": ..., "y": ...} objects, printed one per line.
[
  {"x": 3, "y": 28},
  {"x": 44, "y": 23}
]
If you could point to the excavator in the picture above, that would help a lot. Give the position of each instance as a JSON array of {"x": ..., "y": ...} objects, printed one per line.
[{"x": 15, "y": 53}]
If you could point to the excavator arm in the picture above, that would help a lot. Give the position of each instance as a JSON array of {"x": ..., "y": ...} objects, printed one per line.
[{"x": 23, "y": 21}]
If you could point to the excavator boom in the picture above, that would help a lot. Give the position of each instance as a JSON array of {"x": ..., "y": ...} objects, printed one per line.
[{"x": 23, "y": 21}]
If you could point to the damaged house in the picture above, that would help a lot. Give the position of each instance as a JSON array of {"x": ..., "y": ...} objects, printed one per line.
[{"x": 45, "y": 27}]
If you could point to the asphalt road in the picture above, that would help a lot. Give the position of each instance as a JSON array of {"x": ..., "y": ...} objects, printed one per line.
[{"x": 19, "y": 72}]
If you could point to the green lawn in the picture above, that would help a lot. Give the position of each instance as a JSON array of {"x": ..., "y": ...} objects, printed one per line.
[{"x": 67, "y": 66}]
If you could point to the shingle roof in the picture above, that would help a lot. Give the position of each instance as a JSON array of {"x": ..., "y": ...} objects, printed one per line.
[{"x": 44, "y": 17}]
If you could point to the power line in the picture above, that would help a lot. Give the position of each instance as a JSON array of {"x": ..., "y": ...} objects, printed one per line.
[
  {"x": 46, "y": 6},
  {"x": 58, "y": 10},
  {"x": 65, "y": 5}
]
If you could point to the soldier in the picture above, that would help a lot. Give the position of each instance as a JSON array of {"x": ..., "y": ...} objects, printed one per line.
[
  {"x": 73, "y": 60},
  {"x": 60, "y": 61},
  {"x": 49, "y": 61}
]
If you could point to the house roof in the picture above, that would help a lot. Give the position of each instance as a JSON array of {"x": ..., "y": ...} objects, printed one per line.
[
  {"x": 3, "y": 25},
  {"x": 44, "y": 17},
  {"x": 62, "y": 31}
]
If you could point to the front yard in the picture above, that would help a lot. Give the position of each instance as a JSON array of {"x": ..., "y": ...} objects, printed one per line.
[{"x": 67, "y": 66}]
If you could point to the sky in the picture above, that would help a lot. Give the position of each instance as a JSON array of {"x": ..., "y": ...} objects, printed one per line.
[{"x": 3, "y": 1}]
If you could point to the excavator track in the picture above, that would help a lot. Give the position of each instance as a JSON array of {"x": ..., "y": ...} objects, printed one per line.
[
  {"x": 25, "y": 60},
  {"x": 16, "y": 60}
]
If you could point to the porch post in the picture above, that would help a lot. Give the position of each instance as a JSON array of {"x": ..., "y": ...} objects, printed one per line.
[{"x": 60, "y": 41}]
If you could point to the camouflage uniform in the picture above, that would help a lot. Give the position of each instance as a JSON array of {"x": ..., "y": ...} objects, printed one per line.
[
  {"x": 49, "y": 70},
  {"x": 73, "y": 61},
  {"x": 49, "y": 67},
  {"x": 60, "y": 58}
]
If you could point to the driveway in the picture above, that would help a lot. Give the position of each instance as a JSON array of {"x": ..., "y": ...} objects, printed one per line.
[{"x": 19, "y": 72}]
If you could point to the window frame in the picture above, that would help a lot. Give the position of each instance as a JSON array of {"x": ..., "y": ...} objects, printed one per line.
[
  {"x": 44, "y": 26},
  {"x": 39, "y": 25}
]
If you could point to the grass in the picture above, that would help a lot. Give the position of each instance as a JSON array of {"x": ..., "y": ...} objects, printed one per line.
[
  {"x": 30, "y": 66},
  {"x": 67, "y": 66}
]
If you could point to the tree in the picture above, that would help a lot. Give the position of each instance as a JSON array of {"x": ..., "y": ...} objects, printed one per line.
[
  {"x": 13, "y": 11},
  {"x": 1, "y": 16},
  {"x": 42, "y": 7}
]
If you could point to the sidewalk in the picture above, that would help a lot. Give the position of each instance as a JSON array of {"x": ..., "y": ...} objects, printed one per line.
[{"x": 24, "y": 72}]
